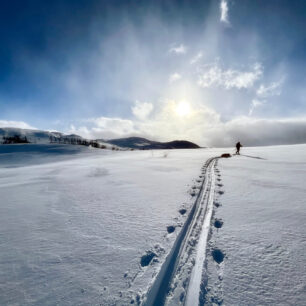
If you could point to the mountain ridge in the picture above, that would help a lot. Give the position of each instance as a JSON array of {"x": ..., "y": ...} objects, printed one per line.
[
  {"x": 9, "y": 135},
  {"x": 146, "y": 144}
]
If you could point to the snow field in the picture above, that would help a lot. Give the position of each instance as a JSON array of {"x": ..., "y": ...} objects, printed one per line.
[
  {"x": 76, "y": 231},
  {"x": 260, "y": 229},
  {"x": 84, "y": 226}
]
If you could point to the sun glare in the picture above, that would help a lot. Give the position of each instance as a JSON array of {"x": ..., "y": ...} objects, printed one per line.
[{"x": 182, "y": 109}]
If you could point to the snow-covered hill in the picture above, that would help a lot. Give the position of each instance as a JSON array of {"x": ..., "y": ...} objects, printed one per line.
[
  {"x": 32, "y": 136},
  {"x": 17, "y": 135},
  {"x": 146, "y": 144}
]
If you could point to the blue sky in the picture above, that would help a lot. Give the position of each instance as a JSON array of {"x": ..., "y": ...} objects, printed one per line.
[{"x": 208, "y": 71}]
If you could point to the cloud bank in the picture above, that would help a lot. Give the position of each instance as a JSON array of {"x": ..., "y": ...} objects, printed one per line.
[
  {"x": 202, "y": 125},
  {"x": 16, "y": 124}
]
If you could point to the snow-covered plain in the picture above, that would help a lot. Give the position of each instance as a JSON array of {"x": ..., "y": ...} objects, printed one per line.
[
  {"x": 263, "y": 237},
  {"x": 79, "y": 226},
  {"x": 73, "y": 231}
]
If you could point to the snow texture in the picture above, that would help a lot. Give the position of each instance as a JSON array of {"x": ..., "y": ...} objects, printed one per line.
[
  {"x": 74, "y": 231},
  {"x": 82, "y": 226},
  {"x": 263, "y": 232}
]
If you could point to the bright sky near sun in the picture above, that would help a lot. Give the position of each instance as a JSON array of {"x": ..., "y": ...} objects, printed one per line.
[
  {"x": 182, "y": 109},
  {"x": 213, "y": 72}
]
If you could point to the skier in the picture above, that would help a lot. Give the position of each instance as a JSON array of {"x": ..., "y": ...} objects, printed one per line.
[{"x": 238, "y": 146}]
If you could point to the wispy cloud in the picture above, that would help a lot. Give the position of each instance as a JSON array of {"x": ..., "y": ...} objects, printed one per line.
[
  {"x": 264, "y": 92},
  {"x": 174, "y": 77},
  {"x": 196, "y": 58},
  {"x": 254, "y": 104},
  {"x": 16, "y": 124},
  {"x": 274, "y": 89},
  {"x": 224, "y": 12},
  {"x": 142, "y": 110},
  {"x": 213, "y": 75},
  {"x": 178, "y": 49}
]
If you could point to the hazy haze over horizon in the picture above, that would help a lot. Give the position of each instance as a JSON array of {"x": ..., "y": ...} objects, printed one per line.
[{"x": 212, "y": 72}]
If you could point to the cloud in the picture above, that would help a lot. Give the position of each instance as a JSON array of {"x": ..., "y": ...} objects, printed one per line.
[
  {"x": 255, "y": 103},
  {"x": 117, "y": 125},
  {"x": 174, "y": 77},
  {"x": 104, "y": 127},
  {"x": 202, "y": 125},
  {"x": 142, "y": 109},
  {"x": 166, "y": 124},
  {"x": 196, "y": 58},
  {"x": 264, "y": 92},
  {"x": 274, "y": 89},
  {"x": 134, "y": 58},
  {"x": 213, "y": 75},
  {"x": 81, "y": 131},
  {"x": 258, "y": 132},
  {"x": 224, "y": 12},
  {"x": 169, "y": 124},
  {"x": 16, "y": 124},
  {"x": 180, "y": 49}
]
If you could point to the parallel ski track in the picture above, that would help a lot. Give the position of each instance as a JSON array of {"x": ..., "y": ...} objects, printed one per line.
[{"x": 157, "y": 294}]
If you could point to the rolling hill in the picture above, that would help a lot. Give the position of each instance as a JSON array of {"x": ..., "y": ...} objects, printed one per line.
[{"x": 17, "y": 135}]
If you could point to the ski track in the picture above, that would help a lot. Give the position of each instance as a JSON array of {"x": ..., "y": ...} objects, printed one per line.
[
  {"x": 179, "y": 280},
  {"x": 194, "y": 287}
]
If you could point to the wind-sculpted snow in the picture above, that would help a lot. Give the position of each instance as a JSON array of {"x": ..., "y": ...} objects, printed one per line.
[
  {"x": 75, "y": 226},
  {"x": 80, "y": 226},
  {"x": 21, "y": 155}
]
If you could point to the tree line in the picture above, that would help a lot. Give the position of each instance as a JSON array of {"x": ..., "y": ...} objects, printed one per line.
[
  {"x": 78, "y": 141},
  {"x": 15, "y": 139}
]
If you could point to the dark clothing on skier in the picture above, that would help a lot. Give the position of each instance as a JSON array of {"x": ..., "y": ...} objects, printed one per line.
[{"x": 238, "y": 146}]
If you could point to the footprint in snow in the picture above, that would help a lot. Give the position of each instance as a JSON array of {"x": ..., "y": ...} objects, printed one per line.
[
  {"x": 137, "y": 300},
  {"x": 218, "y": 223},
  {"x": 147, "y": 258},
  {"x": 170, "y": 229},
  {"x": 217, "y": 204},
  {"x": 182, "y": 296},
  {"x": 182, "y": 211},
  {"x": 217, "y": 255}
]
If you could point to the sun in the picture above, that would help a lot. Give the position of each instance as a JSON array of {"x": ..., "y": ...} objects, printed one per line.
[{"x": 182, "y": 109}]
